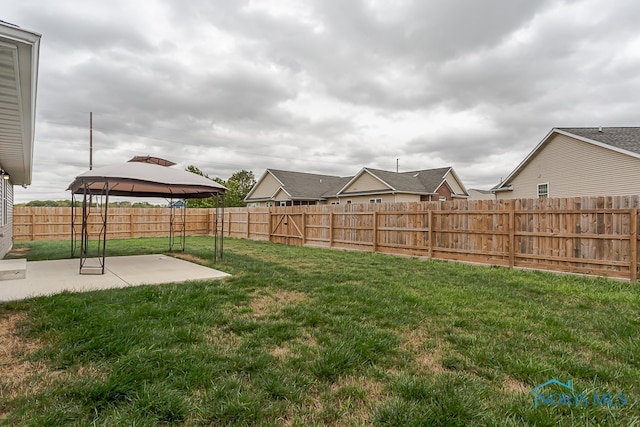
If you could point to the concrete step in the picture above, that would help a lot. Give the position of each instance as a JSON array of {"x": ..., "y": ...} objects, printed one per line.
[{"x": 13, "y": 269}]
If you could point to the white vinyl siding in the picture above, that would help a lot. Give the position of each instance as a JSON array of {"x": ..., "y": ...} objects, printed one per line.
[
  {"x": 366, "y": 182},
  {"x": 266, "y": 187},
  {"x": 453, "y": 183},
  {"x": 281, "y": 195},
  {"x": 404, "y": 197},
  {"x": 575, "y": 168},
  {"x": 6, "y": 227}
]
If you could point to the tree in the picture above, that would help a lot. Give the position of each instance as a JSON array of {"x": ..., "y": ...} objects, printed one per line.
[{"x": 238, "y": 186}]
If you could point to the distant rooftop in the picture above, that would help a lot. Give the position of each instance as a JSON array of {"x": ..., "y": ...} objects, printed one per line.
[{"x": 152, "y": 160}]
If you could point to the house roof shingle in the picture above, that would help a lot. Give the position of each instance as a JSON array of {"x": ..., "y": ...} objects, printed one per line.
[
  {"x": 626, "y": 138},
  {"x": 301, "y": 185},
  {"x": 422, "y": 181},
  {"x": 309, "y": 186}
]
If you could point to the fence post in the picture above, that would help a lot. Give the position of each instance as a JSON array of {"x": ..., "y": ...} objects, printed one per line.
[
  {"x": 375, "y": 231},
  {"x": 633, "y": 231},
  {"x": 248, "y": 224},
  {"x": 512, "y": 237},
  {"x": 33, "y": 226},
  {"x": 304, "y": 226},
  {"x": 331, "y": 228},
  {"x": 430, "y": 228},
  {"x": 270, "y": 225}
]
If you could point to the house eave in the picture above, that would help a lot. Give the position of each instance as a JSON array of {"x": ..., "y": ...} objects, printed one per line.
[
  {"x": 502, "y": 189},
  {"x": 19, "y": 56}
]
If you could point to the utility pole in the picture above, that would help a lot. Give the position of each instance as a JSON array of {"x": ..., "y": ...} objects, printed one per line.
[{"x": 90, "y": 140}]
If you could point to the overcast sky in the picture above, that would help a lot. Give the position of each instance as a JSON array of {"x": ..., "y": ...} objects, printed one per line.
[{"x": 324, "y": 86}]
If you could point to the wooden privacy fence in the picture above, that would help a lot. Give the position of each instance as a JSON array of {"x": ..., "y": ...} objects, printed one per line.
[
  {"x": 583, "y": 235},
  {"x": 31, "y": 224}
]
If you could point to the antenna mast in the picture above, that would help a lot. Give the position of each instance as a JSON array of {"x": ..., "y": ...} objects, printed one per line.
[{"x": 90, "y": 140}]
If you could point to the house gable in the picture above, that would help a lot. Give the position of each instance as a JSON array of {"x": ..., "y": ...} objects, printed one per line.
[
  {"x": 456, "y": 186},
  {"x": 365, "y": 182},
  {"x": 265, "y": 188},
  {"x": 280, "y": 195}
]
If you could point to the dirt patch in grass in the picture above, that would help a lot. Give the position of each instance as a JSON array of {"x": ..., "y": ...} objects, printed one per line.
[
  {"x": 274, "y": 302},
  {"x": 280, "y": 352},
  {"x": 190, "y": 258},
  {"x": 294, "y": 347},
  {"x": 17, "y": 374},
  {"x": 511, "y": 385},
  {"x": 349, "y": 401},
  {"x": 426, "y": 349}
]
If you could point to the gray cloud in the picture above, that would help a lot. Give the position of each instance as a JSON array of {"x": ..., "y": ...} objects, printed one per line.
[{"x": 324, "y": 86}]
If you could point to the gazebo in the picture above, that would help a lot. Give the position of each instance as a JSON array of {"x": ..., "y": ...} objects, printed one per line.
[{"x": 139, "y": 177}]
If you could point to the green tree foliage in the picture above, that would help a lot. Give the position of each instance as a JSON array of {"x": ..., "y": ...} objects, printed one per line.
[
  {"x": 78, "y": 203},
  {"x": 48, "y": 203},
  {"x": 238, "y": 186}
]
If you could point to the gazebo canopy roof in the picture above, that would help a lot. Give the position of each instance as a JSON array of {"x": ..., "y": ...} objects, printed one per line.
[{"x": 137, "y": 179}]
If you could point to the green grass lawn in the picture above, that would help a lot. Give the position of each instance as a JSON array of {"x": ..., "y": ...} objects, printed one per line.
[{"x": 307, "y": 336}]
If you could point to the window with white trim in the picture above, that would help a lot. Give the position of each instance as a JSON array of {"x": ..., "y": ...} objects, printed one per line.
[
  {"x": 375, "y": 200},
  {"x": 348, "y": 201},
  {"x": 543, "y": 190},
  {"x": 268, "y": 204}
]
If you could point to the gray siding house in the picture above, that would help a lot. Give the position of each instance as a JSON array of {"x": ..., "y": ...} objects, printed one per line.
[
  {"x": 572, "y": 162},
  {"x": 19, "y": 54}
]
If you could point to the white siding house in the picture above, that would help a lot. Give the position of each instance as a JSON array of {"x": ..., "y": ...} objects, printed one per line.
[{"x": 571, "y": 162}]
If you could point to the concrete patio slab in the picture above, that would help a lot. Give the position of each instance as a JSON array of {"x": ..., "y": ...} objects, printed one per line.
[{"x": 51, "y": 277}]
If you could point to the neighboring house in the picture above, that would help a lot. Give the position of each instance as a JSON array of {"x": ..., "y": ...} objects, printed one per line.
[
  {"x": 572, "y": 162},
  {"x": 285, "y": 188},
  {"x": 19, "y": 54},
  {"x": 278, "y": 187},
  {"x": 475, "y": 194}
]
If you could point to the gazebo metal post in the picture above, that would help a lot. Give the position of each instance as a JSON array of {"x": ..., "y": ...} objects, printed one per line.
[
  {"x": 84, "y": 238},
  {"x": 218, "y": 246},
  {"x": 87, "y": 201},
  {"x": 184, "y": 226},
  {"x": 73, "y": 225},
  {"x": 177, "y": 222},
  {"x": 215, "y": 233},
  {"x": 222, "y": 234}
]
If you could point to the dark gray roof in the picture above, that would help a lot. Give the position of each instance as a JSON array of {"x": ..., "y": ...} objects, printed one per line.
[
  {"x": 423, "y": 181},
  {"x": 303, "y": 186},
  {"x": 309, "y": 186},
  {"x": 626, "y": 138}
]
